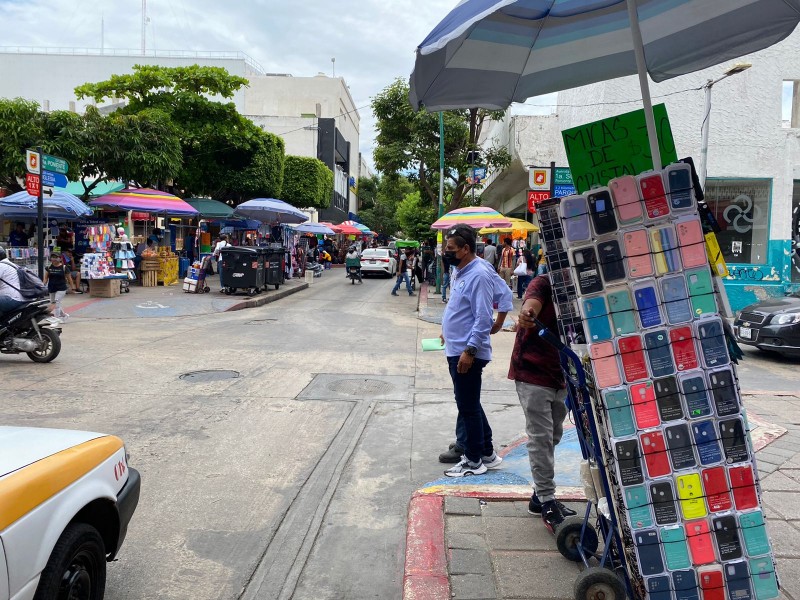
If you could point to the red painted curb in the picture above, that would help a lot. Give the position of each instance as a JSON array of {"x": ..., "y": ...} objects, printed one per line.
[
  {"x": 76, "y": 307},
  {"x": 425, "y": 573}
]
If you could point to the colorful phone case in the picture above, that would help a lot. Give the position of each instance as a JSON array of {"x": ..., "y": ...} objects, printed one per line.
[
  {"x": 726, "y": 534},
  {"x": 724, "y": 392},
  {"x": 679, "y": 187},
  {"x": 575, "y": 219},
  {"x": 691, "y": 242},
  {"x": 690, "y": 496},
  {"x": 654, "y": 195},
  {"x": 620, "y": 307},
  {"x": 629, "y": 460},
  {"x": 712, "y": 343},
  {"x": 612, "y": 261},
  {"x": 675, "y": 296},
  {"x": 654, "y": 449},
  {"x": 680, "y": 447},
  {"x": 733, "y": 440},
  {"x": 701, "y": 291},
  {"x": 717, "y": 489},
  {"x": 695, "y": 393},
  {"x": 701, "y": 545},
  {"x": 587, "y": 271},
  {"x": 648, "y": 549},
  {"x": 601, "y": 212},
  {"x": 712, "y": 583},
  {"x": 658, "y": 587},
  {"x": 645, "y": 409},
  {"x": 595, "y": 312},
  {"x": 754, "y": 532},
  {"x": 685, "y": 585},
  {"x": 737, "y": 580},
  {"x": 659, "y": 355},
  {"x": 743, "y": 487},
  {"x": 634, "y": 363},
  {"x": 662, "y": 497},
  {"x": 638, "y": 507},
  {"x": 762, "y": 573},
  {"x": 668, "y": 399},
  {"x": 627, "y": 201},
  {"x": 637, "y": 253},
  {"x": 706, "y": 439},
  {"x": 620, "y": 413},
  {"x": 664, "y": 245},
  {"x": 683, "y": 349},
  {"x": 605, "y": 364},
  {"x": 676, "y": 550},
  {"x": 647, "y": 304}
]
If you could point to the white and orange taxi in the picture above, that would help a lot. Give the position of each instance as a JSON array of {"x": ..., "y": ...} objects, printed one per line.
[{"x": 66, "y": 498}]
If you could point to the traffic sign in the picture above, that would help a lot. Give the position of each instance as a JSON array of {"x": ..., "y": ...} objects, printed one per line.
[
  {"x": 55, "y": 164},
  {"x": 539, "y": 178},
  {"x": 562, "y": 191},
  {"x": 33, "y": 184},
  {"x": 562, "y": 176},
  {"x": 535, "y": 197},
  {"x": 32, "y": 161},
  {"x": 47, "y": 190},
  {"x": 54, "y": 179}
]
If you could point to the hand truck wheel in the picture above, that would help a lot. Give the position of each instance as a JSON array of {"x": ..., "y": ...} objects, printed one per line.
[
  {"x": 597, "y": 583},
  {"x": 568, "y": 536}
]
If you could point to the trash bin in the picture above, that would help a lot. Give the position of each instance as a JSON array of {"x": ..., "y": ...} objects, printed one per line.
[
  {"x": 242, "y": 269},
  {"x": 274, "y": 257}
]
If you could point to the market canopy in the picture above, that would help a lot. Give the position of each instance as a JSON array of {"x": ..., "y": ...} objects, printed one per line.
[
  {"x": 271, "y": 210},
  {"x": 60, "y": 205},
  {"x": 212, "y": 209},
  {"x": 315, "y": 228},
  {"x": 516, "y": 225},
  {"x": 474, "y": 216},
  {"x": 145, "y": 200},
  {"x": 104, "y": 187}
]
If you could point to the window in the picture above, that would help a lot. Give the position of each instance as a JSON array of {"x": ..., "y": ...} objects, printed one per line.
[
  {"x": 741, "y": 207},
  {"x": 790, "y": 104}
]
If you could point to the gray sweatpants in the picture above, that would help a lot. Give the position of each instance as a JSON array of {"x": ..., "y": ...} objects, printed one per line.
[{"x": 545, "y": 412}]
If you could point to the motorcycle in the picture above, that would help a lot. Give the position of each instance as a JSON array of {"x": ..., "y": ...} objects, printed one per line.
[
  {"x": 31, "y": 329},
  {"x": 354, "y": 273}
]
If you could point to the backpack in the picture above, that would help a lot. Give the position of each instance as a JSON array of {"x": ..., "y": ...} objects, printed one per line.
[{"x": 30, "y": 286}]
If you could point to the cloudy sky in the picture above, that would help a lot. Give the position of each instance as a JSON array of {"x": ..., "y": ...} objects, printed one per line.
[{"x": 373, "y": 41}]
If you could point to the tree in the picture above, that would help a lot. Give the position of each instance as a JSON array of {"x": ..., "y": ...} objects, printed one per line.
[
  {"x": 382, "y": 217},
  {"x": 367, "y": 192},
  {"x": 408, "y": 142},
  {"x": 21, "y": 127},
  {"x": 307, "y": 182},
  {"x": 415, "y": 217}
]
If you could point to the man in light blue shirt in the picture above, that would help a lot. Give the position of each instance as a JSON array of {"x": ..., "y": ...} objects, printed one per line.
[{"x": 466, "y": 327}]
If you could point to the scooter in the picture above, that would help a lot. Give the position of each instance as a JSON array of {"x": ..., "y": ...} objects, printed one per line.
[{"x": 31, "y": 329}]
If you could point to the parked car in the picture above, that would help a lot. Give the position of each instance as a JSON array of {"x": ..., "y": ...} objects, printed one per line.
[
  {"x": 67, "y": 498},
  {"x": 772, "y": 325},
  {"x": 378, "y": 260}
]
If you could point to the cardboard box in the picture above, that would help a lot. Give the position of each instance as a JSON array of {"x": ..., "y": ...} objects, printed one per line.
[{"x": 104, "y": 288}]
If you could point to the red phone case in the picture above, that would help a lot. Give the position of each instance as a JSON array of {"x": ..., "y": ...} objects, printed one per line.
[
  {"x": 645, "y": 409},
  {"x": 654, "y": 196},
  {"x": 655, "y": 453},
  {"x": 717, "y": 491},
  {"x": 701, "y": 546},
  {"x": 743, "y": 487},
  {"x": 711, "y": 584},
  {"x": 605, "y": 365},
  {"x": 683, "y": 348},
  {"x": 634, "y": 363}
]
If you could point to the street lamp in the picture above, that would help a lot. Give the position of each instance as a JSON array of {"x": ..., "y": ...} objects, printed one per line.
[{"x": 734, "y": 70}]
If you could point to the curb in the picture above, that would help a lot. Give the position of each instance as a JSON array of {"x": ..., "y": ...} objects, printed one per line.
[
  {"x": 262, "y": 300},
  {"x": 425, "y": 571},
  {"x": 423, "y": 295}
]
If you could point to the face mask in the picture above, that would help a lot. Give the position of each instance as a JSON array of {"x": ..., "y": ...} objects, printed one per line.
[{"x": 449, "y": 258}]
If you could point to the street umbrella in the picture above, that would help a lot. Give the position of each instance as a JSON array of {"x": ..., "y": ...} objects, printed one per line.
[
  {"x": 315, "y": 228},
  {"x": 520, "y": 225},
  {"x": 347, "y": 229},
  {"x": 490, "y": 53},
  {"x": 360, "y": 226},
  {"x": 270, "y": 210},
  {"x": 145, "y": 200},
  {"x": 474, "y": 216},
  {"x": 60, "y": 205},
  {"x": 210, "y": 209}
]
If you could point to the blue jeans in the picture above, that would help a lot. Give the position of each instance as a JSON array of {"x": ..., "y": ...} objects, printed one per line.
[
  {"x": 9, "y": 304},
  {"x": 400, "y": 278},
  {"x": 472, "y": 428},
  {"x": 219, "y": 270},
  {"x": 445, "y": 284},
  {"x": 522, "y": 284}
]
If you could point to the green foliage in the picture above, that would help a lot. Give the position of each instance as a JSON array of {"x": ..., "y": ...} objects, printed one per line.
[
  {"x": 382, "y": 217},
  {"x": 415, "y": 217},
  {"x": 21, "y": 127},
  {"x": 408, "y": 142},
  {"x": 307, "y": 182},
  {"x": 367, "y": 192}
]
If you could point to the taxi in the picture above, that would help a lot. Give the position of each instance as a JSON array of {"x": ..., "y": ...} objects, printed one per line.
[{"x": 66, "y": 498}]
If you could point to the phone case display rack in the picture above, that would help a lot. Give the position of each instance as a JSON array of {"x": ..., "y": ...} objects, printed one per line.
[
  {"x": 631, "y": 279},
  {"x": 24, "y": 256}
]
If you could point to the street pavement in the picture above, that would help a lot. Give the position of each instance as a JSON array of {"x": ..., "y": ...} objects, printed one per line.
[{"x": 292, "y": 478}]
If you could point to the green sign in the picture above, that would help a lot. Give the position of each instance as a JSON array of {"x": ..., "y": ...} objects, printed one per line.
[
  {"x": 616, "y": 146},
  {"x": 562, "y": 176},
  {"x": 54, "y": 164}
]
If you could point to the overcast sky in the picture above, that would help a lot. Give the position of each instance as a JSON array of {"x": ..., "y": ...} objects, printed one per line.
[{"x": 373, "y": 41}]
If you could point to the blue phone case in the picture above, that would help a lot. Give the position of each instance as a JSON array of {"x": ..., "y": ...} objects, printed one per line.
[
  {"x": 659, "y": 587},
  {"x": 620, "y": 413},
  {"x": 737, "y": 580},
  {"x": 676, "y": 299},
  {"x": 648, "y": 547},
  {"x": 597, "y": 323},
  {"x": 575, "y": 218},
  {"x": 679, "y": 187},
  {"x": 713, "y": 346},
  {"x": 659, "y": 356},
  {"x": 647, "y": 305},
  {"x": 685, "y": 585},
  {"x": 695, "y": 392},
  {"x": 706, "y": 439}
]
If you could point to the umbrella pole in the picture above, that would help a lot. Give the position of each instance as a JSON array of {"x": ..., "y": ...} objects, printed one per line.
[{"x": 641, "y": 68}]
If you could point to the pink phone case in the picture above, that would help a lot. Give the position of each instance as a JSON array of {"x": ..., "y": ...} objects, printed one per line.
[
  {"x": 691, "y": 242},
  {"x": 637, "y": 251},
  {"x": 626, "y": 199},
  {"x": 645, "y": 409},
  {"x": 701, "y": 546},
  {"x": 605, "y": 364}
]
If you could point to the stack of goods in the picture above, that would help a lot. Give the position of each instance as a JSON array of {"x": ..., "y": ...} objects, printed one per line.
[
  {"x": 26, "y": 257},
  {"x": 632, "y": 280},
  {"x": 168, "y": 267},
  {"x": 124, "y": 255},
  {"x": 96, "y": 265},
  {"x": 100, "y": 237},
  {"x": 192, "y": 280}
]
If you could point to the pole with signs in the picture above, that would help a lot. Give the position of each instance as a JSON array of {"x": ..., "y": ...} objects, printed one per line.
[
  {"x": 40, "y": 224},
  {"x": 439, "y": 236}
]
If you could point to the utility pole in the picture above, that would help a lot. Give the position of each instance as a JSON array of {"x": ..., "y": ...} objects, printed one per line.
[
  {"x": 333, "y": 66},
  {"x": 102, "y": 34},
  {"x": 440, "y": 237},
  {"x": 144, "y": 27}
]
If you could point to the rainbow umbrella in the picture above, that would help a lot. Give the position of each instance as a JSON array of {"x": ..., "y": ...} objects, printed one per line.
[
  {"x": 474, "y": 216},
  {"x": 145, "y": 200},
  {"x": 517, "y": 225}
]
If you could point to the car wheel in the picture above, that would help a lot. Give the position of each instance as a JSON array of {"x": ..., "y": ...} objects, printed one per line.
[{"x": 76, "y": 568}]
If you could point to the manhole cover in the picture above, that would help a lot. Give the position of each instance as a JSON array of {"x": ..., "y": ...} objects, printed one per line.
[
  {"x": 209, "y": 375},
  {"x": 357, "y": 387}
]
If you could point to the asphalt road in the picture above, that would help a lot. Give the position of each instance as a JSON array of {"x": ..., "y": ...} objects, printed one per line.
[{"x": 291, "y": 480}]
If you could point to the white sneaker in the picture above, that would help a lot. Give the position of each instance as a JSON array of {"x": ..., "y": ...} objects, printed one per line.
[
  {"x": 465, "y": 469},
  {"x": 493, "y": 461}
]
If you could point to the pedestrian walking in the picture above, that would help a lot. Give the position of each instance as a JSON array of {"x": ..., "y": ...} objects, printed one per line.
[
  {"x": 506, "y": 264},
  {"x": 405, "y": 272},
  {"x": 490, "y": 253},
  {"x": 536, "y": 371},
  {"x": 524, "y": 271},
  {"x": 466, "y": 327},
  {"x": 57, "y": 280}
]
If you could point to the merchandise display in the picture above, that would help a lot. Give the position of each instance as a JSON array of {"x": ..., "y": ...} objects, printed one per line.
[{"x": 96, "y": 265}]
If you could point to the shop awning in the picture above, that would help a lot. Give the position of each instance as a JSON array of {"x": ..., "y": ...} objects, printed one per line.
[
  {"x": 209, "y": 208},
  {"x": 145, "y": 200}
]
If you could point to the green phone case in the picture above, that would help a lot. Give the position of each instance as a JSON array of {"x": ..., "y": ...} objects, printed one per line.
[
  {"x": 676, "y": 551},
  {"x": 638, "y": 507},
  {"x": 620, "y": 415},
  {"x": 762, "y": 572},
  {"x": 620, "y": 306},
  {"x": 701, "y": 291},
  {"x": 754, "y": 533}
]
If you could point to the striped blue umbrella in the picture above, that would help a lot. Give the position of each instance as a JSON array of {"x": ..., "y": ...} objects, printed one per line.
[{"x": 490, "y": 53}]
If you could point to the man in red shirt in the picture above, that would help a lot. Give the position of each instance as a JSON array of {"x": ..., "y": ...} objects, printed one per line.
[{"x": 536, "y": 370}]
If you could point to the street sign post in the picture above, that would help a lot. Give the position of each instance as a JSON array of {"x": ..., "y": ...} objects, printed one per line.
[
  {"x": 534, "y": 197},
  {"x": 562, "y": 191},
  {"x": 33, "y": 184},
  {"x": 55, "y": 164},
  {"x": 52, "y": 179},
  {"x": 32, "y": 161},
  {"x": 539, "y": 178},
  {"x": 562, "y": 176}
]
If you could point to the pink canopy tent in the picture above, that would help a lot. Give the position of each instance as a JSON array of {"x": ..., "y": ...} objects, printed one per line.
[{"x": 145, "y": 200}]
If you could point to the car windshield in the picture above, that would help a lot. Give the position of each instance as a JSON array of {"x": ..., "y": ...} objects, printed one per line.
[{"x": 375, "y": 253}]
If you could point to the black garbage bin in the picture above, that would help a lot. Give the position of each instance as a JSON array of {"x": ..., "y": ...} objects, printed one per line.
[
  {"x": 274, "y": 257},
  {"x": 242, "y": 269}
]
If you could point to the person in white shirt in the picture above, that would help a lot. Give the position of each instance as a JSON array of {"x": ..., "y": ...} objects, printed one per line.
[
  {"x": 10, "y": 296},
  {"x": 222, "y": 243}
]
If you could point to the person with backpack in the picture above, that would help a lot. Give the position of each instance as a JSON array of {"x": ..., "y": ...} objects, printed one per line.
[{"x": 10, "y": 295}]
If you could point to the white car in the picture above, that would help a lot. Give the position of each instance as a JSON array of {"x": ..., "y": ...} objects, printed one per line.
[
  {"x": 378, "y": 260},
  {"x": 66, "y": 498}
]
